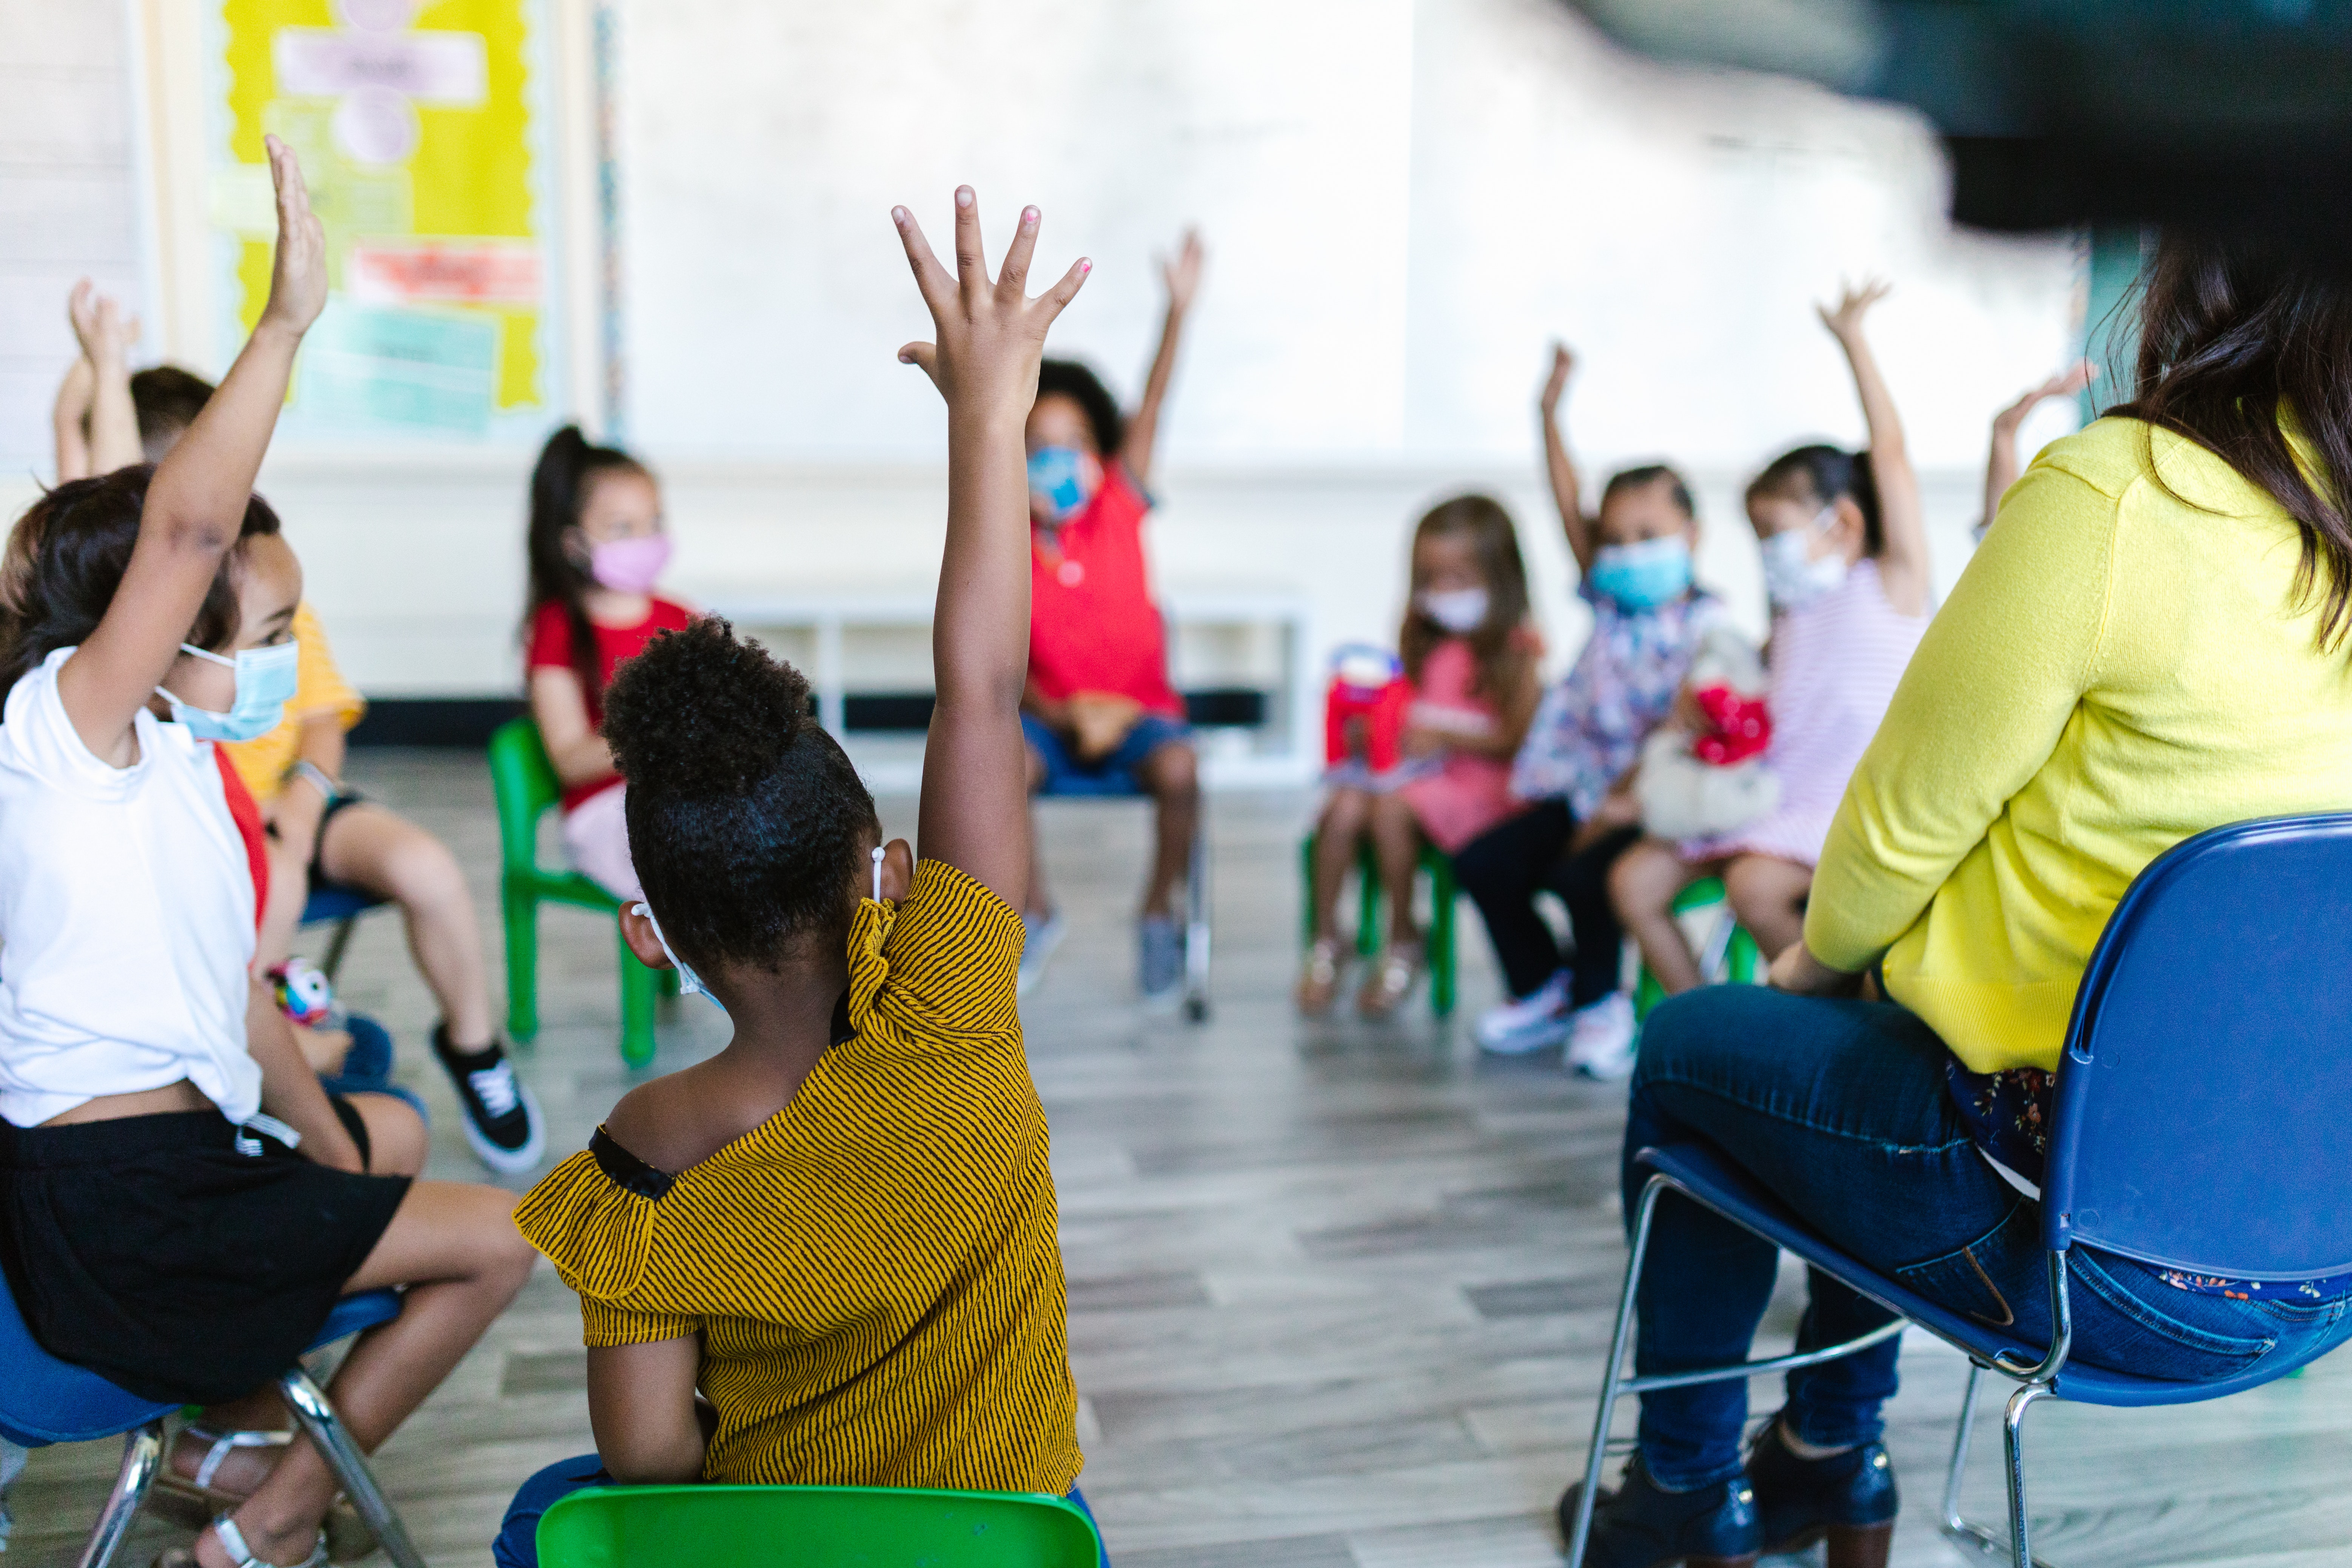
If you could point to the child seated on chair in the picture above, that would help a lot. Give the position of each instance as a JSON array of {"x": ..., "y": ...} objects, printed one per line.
[
  {"x": 1471, "y": 657},
  {"x": 1099, "y": 713},
  {"x": 1575, "y": 771},
  {"x": 598, "y": 545},
  {"x": 1845, "y": 562},
  {"x": 180, "y": 1205},
  {"x": 324, "y": 834},
  {"x": 840, "y": 1230}
]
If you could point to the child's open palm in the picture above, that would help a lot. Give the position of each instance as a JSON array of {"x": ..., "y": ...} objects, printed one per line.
[
  {"x": 297, "y": 276},
  {"x": 101, "y": 327},
  {"x": 990, "y": 335},
  {"x": 1844, "y": 318}
]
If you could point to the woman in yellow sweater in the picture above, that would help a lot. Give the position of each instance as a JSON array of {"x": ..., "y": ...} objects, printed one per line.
[{"x": 2152, "y": 641}]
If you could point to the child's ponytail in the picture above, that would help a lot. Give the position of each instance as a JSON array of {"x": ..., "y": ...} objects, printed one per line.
[{"x": 568, "y": 465}]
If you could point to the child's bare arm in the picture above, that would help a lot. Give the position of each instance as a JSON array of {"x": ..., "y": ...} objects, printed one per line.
[
  {"x": 196, "y": 501},
  {"x": 560, "y": 707},
  {"x": 290, "y": 1085},
  {"x": 641, "y": 1408},
  {"x": 2001, "y": 467},
  {"x": 67, "y": 421},
  {"x": 1903, "y": 564},
  {"x": 1182, "y": 276},
  {"x": 106, "y": 335},
  {"x": 991, "y": 337},
  {"x": 1560, "y": 466}
]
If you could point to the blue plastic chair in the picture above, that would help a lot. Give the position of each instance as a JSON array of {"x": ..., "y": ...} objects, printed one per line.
[
  {"x": 340, "y": 907},
  {"x": 43, "y": 1401},
  {"x": 2214, "y": 1010}
]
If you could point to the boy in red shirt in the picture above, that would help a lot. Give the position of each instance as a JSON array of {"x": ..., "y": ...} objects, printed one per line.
[{"x": 1099, "y": 714}]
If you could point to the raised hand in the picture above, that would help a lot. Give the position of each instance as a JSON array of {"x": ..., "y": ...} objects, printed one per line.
[
  {"x": 989, "y": 334},
  {"x": 1182, "y": 272},
  {"x": 2065, "y": 383},
  {"x": 298, "y": 276},
  {"x": 100, "y": 325},
  {"x": 1844, "y": 318},
  {"x": 1563, "y": 365}
]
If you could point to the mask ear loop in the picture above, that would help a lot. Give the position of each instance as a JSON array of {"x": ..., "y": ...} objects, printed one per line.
[{"x": 878, "y": 873}]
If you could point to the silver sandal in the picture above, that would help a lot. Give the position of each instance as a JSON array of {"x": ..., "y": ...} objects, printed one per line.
[
  {"x": 240, "y": 1555},
  {"x": 195, "y": 1501}
]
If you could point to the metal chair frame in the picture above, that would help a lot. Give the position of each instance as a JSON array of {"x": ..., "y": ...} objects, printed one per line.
[{"x": 2066, "y": 1217}]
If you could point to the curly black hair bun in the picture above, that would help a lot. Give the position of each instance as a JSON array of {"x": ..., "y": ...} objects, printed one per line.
[{"x": 747, "y": 821}]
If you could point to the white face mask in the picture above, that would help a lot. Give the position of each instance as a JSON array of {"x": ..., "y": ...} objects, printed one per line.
[
  {"x": 1459, "y": 610},
  {"x": 688, "y": 981},
  {"x": 1792, "y": 576}
]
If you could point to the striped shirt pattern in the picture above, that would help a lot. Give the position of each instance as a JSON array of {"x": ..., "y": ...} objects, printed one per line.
[
  {"x": 875, "y": 1271},
  {"x": 1834, "y": 667}
]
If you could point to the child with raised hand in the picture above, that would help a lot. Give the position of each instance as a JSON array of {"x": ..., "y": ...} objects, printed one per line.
[
  {"x": 1576, "y": 768},
  {"x": 180, "y": 1202},
  {"x": 95, "y": 424},
  {"x": 1845, "y": 564},
  {"x": 842, "y": 1228},
  {"x": 2001, "y": 467},
  {"x": 1099, "y": 713},
  {"x": 1471, "y": 655},
  {"x": 598, "y": 546}
]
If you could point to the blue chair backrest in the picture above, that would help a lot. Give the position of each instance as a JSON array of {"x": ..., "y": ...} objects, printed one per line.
[
  {"x": 44, "y": 1400},
  {"x": 2203, "y": 1111}
]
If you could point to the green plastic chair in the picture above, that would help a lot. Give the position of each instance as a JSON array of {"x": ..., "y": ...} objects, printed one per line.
[
  {"x": 1730, "y": 950},
  {"x": 813, "y": 1527},
  {"x": 525, "y": 783},
  {"x": 1440, "y": 940}
]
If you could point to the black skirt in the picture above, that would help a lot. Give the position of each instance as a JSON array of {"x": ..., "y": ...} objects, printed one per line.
[{"x": 153, "y": 1251}]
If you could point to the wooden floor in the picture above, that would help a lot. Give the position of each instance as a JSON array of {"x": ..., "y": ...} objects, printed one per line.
[{"x": 1338, "y": 1294}]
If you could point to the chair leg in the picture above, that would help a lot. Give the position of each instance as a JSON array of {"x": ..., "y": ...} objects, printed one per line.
[
  {"x": 337, "y": 945},
  {"x": 1196, "y": 927},
  {"x": 325, "y": 1429},
  {"x": 640, "y": 990},
  {"x": 1368, "y": 917},
  {"x": 2013, "y": 1442},
  {"x": 1441, "y": 935},
  {"x": 1955, "y": 1527},
  {"x": 142, "y": 1451},
  {"x": 522, "y": 965},
  {"x": 1614, "y": 1375}
]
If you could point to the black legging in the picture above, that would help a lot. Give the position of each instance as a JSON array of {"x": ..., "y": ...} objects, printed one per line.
[{"x": 1504, "y": 867}]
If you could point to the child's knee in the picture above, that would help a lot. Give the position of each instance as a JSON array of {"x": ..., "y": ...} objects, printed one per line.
[
  {"x": 420, "y": 871},
  {"x": 1345, "y": 813},
  {"x": 1758, "y": 887},
  {"x": 1173, "y": 772},
  {"x": 1639, "y": 882},
  {"x": 397, "y": 1139}
]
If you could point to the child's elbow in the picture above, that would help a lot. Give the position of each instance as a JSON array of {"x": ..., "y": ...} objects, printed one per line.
[{"x": 677, "y": 1462}]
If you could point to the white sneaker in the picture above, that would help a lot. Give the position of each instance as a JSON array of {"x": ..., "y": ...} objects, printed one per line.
[
  {"x": 1536, "y": 1022},
  {"x": 1600, "y": 1038},
  {"x": 1043, "y": 936}
]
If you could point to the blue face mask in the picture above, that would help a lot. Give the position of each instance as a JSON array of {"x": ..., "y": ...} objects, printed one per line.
[
  {"x": 265, "y": 679},
  {"x": 1057, "y": 477},
  {"x": 688, "y": 981},
  {"x": 1642, "y": 576}
]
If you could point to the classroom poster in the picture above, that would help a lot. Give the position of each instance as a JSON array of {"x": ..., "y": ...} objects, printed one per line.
[{"x": 425, "y": 132}]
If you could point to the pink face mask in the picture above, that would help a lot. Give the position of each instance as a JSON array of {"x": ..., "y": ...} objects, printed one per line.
[{"x": 629, "y": 566}]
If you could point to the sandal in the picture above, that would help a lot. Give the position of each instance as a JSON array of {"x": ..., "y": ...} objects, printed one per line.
[
  {"x": 195, "y": 1501},
  {"x": 1319, "y": 977},
  {"x": 232, "y": 1541},
  {"x": 1391, "y": 980}
]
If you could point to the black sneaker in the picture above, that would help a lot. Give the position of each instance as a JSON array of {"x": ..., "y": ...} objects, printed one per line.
[
  {"x": 502, "y": 1121},
  {"x": 1848, "y": 1499},
  {"x": 1642, "y": 1525}
]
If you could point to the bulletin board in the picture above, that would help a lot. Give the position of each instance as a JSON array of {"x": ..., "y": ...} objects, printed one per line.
[{"x": 424, "y": 130}]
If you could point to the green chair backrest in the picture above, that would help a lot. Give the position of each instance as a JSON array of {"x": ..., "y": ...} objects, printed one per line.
[
  {"x": 813, "y": 1527},
  {"x": 525, "y": 784}
]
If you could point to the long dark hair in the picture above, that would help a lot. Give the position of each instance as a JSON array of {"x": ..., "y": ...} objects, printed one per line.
[
  {"x": 568, "y": 465},
  {"x": 1501, "y": 652},
  {"x": 66, "y": 557},
  {"x": 1823, "y": 475},
  {"x": 2237, "y": 335}
]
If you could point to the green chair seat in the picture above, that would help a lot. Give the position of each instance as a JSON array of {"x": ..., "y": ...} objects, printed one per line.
[
  {"x": 813, "y": 1527},
  {"x": 524, "y": 782}
]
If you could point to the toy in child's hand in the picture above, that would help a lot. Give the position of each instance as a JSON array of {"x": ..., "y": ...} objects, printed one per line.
[
  {"x": 1692, "y": 785},
  {"x": 1364, "y": 707},
  {"x": 303, "y": 994}
]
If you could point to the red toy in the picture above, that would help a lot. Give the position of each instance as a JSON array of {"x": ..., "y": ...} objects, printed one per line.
[
  {"x": 1737, "y": 727},
  {"x": 1369, "y": 684}
]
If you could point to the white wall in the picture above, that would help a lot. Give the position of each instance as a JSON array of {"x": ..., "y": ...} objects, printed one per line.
[{"x": 1403, "y": 200}]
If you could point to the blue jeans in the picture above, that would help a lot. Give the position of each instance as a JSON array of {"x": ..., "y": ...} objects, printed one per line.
[
  {"x": 1115, "y": 774},
  {"x": 518, "y": 1543},
  {"x": 1839, "y": 1109}
]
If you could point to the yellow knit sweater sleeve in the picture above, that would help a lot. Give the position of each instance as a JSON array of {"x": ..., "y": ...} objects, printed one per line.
[{"x": 1986, "y": 699}]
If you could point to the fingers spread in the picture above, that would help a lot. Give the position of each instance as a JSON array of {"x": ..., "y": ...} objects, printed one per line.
[
  {"x": 1062, "y": 293},
  {"x": 1013, "y": 279}
]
